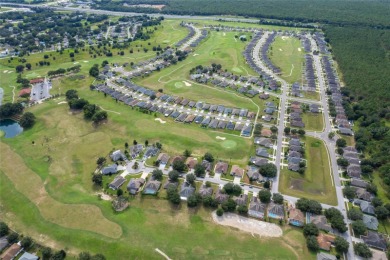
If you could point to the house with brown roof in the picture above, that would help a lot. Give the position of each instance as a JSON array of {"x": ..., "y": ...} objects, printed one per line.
[
  {"x": 237, "y": 171},
  {"x": 163, "y": 158},
  {"x": 178, "y": 158},
  {"x": 11, "y": 252},
  {"x": 296, "y": 217},
  {"x": 25, "y": 92},
  {"x": 266, "y": 132},
  {"x": 221, "y": 197},
  {"x": 325, "y": 241},
  {"x": 221, "y": 167},
  {"x": 191, "y": 162},
  {"x": 205, "y": 191}
]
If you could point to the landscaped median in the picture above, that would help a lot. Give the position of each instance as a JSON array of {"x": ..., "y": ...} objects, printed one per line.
[{"x": 317, "y": 181}]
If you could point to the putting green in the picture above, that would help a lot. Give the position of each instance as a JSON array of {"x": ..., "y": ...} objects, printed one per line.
[
  {"x": 237, "y": 70},
  {"x": 179, "y": 84},
  {"x": 32, "y": 75},
  {"x": 229, "y": 144}
]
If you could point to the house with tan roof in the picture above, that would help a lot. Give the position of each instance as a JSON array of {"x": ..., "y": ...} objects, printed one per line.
[
  {"x": 237, "y": 171},
  {"x": 325, "y": 241}
]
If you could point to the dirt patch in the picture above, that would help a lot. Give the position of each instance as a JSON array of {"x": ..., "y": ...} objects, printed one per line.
[
  {"x": 253, "y": 226},
  {"x": 187, "y": 84},
  {"x": 62, "y": 102}
]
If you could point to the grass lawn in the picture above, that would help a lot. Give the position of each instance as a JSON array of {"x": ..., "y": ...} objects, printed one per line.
[
  {"x": 313, "y": 122},
  {"x": 284, "y": 53},
  {"x": 316, "y": 182},
  {"x": 311, "y": 95},
  {"x": 3, "y": 9}
]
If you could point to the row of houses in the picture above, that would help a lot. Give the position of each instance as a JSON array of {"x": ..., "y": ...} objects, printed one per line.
[
  {"x": 191, "y": 33},
  {"x": 336, "y": 98},
  {"x": 295, "y": 116},
  {"x": 248, "y": 54},
  {"x": 264, "y": 53},
  {"x": 14, "y": 251},
  {"x": 295, "y": 154}
]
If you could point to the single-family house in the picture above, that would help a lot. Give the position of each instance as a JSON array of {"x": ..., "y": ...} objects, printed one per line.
[
  {"x": 262, "y": 152},
  {"x": 118, "y": 156},
  {"x": 135, "y": 150},
  {"x": 237, "y": 171},
  {"x": 266, "y": 132},
  {"x": 275, "y": 211},
  {"x": 3, "y": 243},
  {"x": 325, "y": 241},
  {"x": 293, "y": 167},
  {"x": 171, "y": 184},
  {"x": 263, "y": 141},
  {"x": 205, "y": 191},
  {"x": 191, "y": 162},
  {"x": 365, "y": 206},
  {"x": 363, "y": 194},
  {"x": 186, "y": 191},
  {"x": 152, "y": 187},
  {"x": 221, "y": 167},
  {"x": 320, "y": 221},
  {"x": 111, "y": 169},
  {"x": 358, "y": 183},
  {"x": 150, "y": 152},
  {"x": 134, "y": 185},
  {"x": 256, "y": 208},
  {"x": 221, "y": 197},
  {"x": 325, "y": 256},
  {"x": 163, "y": 158},
  {"x": 28, "y": 256},
  {"x": 246, "y": 130},
  {"x": 241, "y": 200},
  {"x": 207, "y": 165},
  {"x": 258, "y": 161},
  {"x": 375, "y": 240},
  {"x": 117, "y": 183},
  {"x": 370, "y": 222},
  {"x": 296, "y": 217},
  {"x": 11, "y": 252},
  {"x": 253, "y": 173}
]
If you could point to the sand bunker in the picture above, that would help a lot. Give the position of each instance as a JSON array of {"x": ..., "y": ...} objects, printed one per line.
[
  {"x": 160, "y": 120},
  {"x": 187, "y": 84},
  {"x": 249, "y": 225},
  {"x": 284, "y": 38},
  {"x": 5, "y": 71},
  {"x": 221, "y": 138},
  {"x": 280, "y": 50},
  {"x": 224, "y": 34},
  {"x": 76, "y": 62},
  {"x": 86, "y": 61},
  {"x": 299, "y": 49},
  {"x": 62, "y": 102},
  {"x": 10, "y": 71},
  {"x": 195, "y": 54}
]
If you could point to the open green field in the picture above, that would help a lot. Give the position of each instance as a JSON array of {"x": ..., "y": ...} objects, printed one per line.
[
  {"x": 316, "y": 183},
  {"x": 313, "y": 122},
  {"x": 287, "y": 54}
]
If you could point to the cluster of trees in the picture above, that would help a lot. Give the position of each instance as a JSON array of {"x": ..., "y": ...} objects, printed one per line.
[
  {"x": 61, "y": 71},
  {"x": 10, "y": 109},
  {"x": 91, "y": 111},
  {"x": 336, "y": 219},
  {"x": 307, "y": 205}
]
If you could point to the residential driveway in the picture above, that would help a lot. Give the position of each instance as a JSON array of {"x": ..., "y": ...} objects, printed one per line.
[
  {"x": 162, "y": 166},
  {"x": 217, "y": 176},
  {"x": 144, "y": 175},
  {"x": 237, "y": 180},
  {"x": 249, "y": 225}
]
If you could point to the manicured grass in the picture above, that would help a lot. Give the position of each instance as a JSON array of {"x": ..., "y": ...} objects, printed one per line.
[
  {"x": 316, "y": 182},
  {"x": 313, "y": 122},
  {"x": 284, "y": 53}
]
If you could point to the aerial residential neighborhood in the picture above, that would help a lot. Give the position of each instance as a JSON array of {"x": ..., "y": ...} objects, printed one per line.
[{"x": 194, "y": 129}]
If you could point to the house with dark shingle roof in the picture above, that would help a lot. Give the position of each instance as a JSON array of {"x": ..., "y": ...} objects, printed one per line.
[
  {"x": 256, "y": 208},
  {"x": 163, "y": 158},
  {"x": 325, "y": 256},
  {"x": 358, "y": 183},
  {"x": 221, "y": 197},
  {"x": 207, "y": 165},
  {"x": 258, "y": 161},
  {"x": 3, "y": 243},
  {"x": 118, "y": 156},
  {"x": 111, "y": 169},
  {"x": 362, "y": 194},
  {"x": 186, "y": 191},
  {"x": 253, "y": 173},
  {"x": 365, "y": 206},
  {"x": 221, "y": 167},
  {"x": 117, "y": 183},
  {"x": 275, "y": 211},
  {"x": 370, "y": 222},
  {"x": 152, "y": 187},
  {"x": 263, "y": 141},
  {"x": 320, "y": 221},
  {"x": 205, "y": 191},
  {"x": 262, "y": 152},
  {"x": 241, "y": 200},
  {"x": 375, "y": 240},
  {"x": 134, "y": 185}
]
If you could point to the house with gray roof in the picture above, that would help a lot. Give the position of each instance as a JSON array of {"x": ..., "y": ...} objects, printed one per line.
[
  {"x": 375, "y": 240},
  {"x": 111, "y": 169},
  {"x": 118, "y": 156},
  {"x": 325, "y": 256},
  {"x": 320, "y": 221},
  {"x": 241, "y": 200},
  {"x": 117, "y": 183},
  {"x": 28, "y": 256},
  {"x": 262, "y": 152},
  {"x": 275, "y": 211},
  {"x": 221, "y": 197},
  {"x": 256, "y": 208},
  {"x": 152, "y": 187},
  {"x": 358, "y": 183},
  {"x": 258, "y": 161},
  {"x": 205, "y": 191},
  {"x": 365, "y": 206},
  {"x": 263, "y": 141},
  {"x": 134, "y": 185},
  {"x": 253, "y": 173},
  {"x": 370, "y": 222},
  {"x": 3, "y": 243},
  {"x": 186, "y": 191},
  {"x": 363, "y": 194}
]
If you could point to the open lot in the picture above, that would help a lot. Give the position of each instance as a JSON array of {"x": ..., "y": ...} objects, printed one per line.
[
  {"x": 313, "y": 122},
  {"x": 316, "y": 183},
  {"x": 284, "y": 53}
]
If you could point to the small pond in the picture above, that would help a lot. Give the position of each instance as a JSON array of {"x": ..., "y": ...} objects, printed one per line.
[{"x": 10, "y": 128}]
